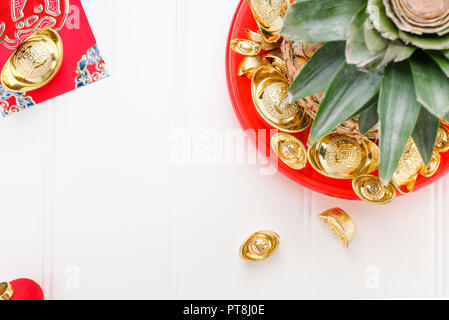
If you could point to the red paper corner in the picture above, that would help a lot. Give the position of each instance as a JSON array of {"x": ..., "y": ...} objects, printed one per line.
[{"x": 83, "y": 63}]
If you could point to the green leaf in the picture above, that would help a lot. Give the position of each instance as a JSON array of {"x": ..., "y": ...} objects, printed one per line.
[
  {"x": 425, "y": 134},
  {"x": 445, "y": 53},
  {"x": 357, "y": 51},
  {"x": 319, "y": 70},
  {"x": 396, "y": 52},
  {"x": 398, "y": 112},
  {"x": 441, "y": 60},
  {"x": 349, "y": 91},
  {"x": 393, "y": 49},
  {"x": 405, "y": 53},
  {"x": 380, "y": 20},
  {"x": 369, "y": 104},
  {"x": 425, "y": 42},
  {"x": 431, "y": 84},
  {"x": 368, "y": 119},
  {"x": 373, "y": 40},
  {"x": 312, "y": 21}
]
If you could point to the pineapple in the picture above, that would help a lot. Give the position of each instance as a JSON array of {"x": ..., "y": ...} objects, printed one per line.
[
  {"x": 295, "y": 56},
  {"x": 383, "y": 65}
]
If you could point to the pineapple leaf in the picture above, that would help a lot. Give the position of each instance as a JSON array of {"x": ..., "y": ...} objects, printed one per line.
[
  {"x": 312, "y": 21},
  {"x": 428, "y": 43},
  {"x": 319, "y": 70},
  {"x": 357, "y": 51},
  {"x": 405, "y": 53},
  {"x": 441, "y": 60},
  {"x": 368, "y": 105},
  {"x": 445, "y": 53},
  {"x": 425, "y": 134},
  {"x": 398, "y": 112},
  {"x": 349, "y": 91},
  {"x": 374, "y": 41},
  {"x": 431, "y": 84},
  {"x": 368, "y": 119},
  {"x": 380, "y": 20},
  {"x": 396, "y": 52}
]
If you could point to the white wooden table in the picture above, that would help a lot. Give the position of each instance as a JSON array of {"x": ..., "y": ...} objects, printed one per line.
[{"x": 93, "y": 205}]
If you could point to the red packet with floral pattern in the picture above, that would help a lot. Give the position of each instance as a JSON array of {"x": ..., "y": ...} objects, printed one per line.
[{"x": 82, "y": 63}]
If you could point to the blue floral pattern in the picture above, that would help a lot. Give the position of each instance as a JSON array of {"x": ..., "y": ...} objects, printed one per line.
[
  {"x": 84, "y": 75},
  {"x": 7, "y": 99}
]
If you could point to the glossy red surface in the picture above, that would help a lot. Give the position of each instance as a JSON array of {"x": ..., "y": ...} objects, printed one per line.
[
  {"x": 26, "y": 289},
  {"x": 240, "y": 94}
]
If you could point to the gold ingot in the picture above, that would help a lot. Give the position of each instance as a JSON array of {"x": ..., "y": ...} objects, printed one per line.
[
  {"x": 249, "y": 65},
  {"x": 259, "y": 246},
  {"x": 432, "y": 167},
  {"x": 269, "y": 15},
  {"x": 6, "y": 291},
  {"x": 246, "y": 47},
  {"x": 369, "y": 188},
  {"x": 290, "y": 150},
  {"x": 34, "y": 63},
  {"x": 442, "y": 142},
  {"x": 257, "y": 37},
  {"x": 275, "y": 59},
  {"x": 269, "y": 89},
  {"x": 340, "y": 224},
  {"x": 405, "y": 176},
  {"x": 341, "y": 156}
]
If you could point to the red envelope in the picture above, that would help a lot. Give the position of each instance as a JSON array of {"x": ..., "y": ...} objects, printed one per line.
[{"x": 82, "y": 64}]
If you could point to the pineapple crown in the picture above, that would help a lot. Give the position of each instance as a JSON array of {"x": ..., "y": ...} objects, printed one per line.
[{"x": 382, "y": 61}]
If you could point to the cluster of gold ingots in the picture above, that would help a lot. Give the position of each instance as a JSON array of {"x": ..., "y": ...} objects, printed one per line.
[
  {"x": 336, "y": 155},
  {"x": 262, "y": 244}
]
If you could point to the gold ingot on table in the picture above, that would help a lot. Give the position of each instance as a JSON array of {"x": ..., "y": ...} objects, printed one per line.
[
  {"x": 341, "y": 156},
  {"x": 432, "y": 168},
  {"x": 259, "y": 245},
  {"x": 246, "y": 47},
  {"x": 410, "y": 164},
  {"x": 442, "y": 142},
  {"x": 269, "y": 15},
  {"x": 249, "y": 65},
  {"x": 275, "y": 59},
  {"x": 290, "y": 150},
  {"x": 369, "y": 188},
  {"x": 6, "y": 291},
  {"x": 340, "y": 224},
  {"x": 269, "y": 89},
  {"x": 34, "y": 63},
  {"x": 257, "y": 37}
]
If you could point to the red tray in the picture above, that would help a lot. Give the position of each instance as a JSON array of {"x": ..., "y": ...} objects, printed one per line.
[{"x": 240, "y": 93}]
